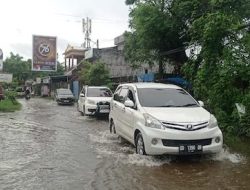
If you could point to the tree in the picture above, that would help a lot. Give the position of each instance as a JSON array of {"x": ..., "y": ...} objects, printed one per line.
[
  {"x": 94, "y": 74},
  {"x": 21, "y": 69},
  {"x": 219, "y": 29},
  {"x": 155, "y": 32},
  {"x": 18, "y": 67}
]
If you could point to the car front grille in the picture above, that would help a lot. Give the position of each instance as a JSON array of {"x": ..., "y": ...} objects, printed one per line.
[
  {"x": 177, "y": 143},
  {"x": 103, "y": 105},
  {"x": 185, "y": 126}
]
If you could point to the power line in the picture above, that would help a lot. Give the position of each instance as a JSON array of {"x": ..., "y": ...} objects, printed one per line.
[{"x": 110, "y": 20}]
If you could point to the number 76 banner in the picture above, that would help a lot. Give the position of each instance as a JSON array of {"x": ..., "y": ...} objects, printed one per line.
[{"x": 44, "y": 57}]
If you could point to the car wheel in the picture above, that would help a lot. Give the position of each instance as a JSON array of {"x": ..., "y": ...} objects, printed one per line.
[
  {"x": 83, "y": 111},
  {"x": 139, "y": 144},
  {"x": 77, "y": 107},
  {"x": 112, "y": 127}
]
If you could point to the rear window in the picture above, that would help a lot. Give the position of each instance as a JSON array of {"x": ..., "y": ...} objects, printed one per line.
[{"x": 64, "y": 92}]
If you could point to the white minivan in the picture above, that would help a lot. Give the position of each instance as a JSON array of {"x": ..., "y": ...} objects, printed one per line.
[{"x": 163, "y": 119}]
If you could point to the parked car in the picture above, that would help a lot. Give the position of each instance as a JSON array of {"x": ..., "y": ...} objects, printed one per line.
[
  {"x": 64, "y": 96},
  {"x": 163, "y": 119},
  {"x": 20, "y": 92},
  {"x": 94, "y": 100}
]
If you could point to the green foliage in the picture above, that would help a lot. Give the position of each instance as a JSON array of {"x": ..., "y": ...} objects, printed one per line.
[
  {"x": 219, "y": 71},
  {"x": 95, "y": 74},
  {"x": 8, "y": 106},
  {"x": 18, "y": 67},
  {"x": 21, "y": 69},
  {"x": 11, "y": 95},
  {"x": 154, "y": 32}
]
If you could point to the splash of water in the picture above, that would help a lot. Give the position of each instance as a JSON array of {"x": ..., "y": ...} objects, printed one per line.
[{"x": 225, "y": 154}]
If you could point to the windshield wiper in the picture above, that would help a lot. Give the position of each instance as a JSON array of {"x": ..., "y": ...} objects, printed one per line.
[
  {"x": 189, "y": 105},
  {"x": 167, "y": 106}
]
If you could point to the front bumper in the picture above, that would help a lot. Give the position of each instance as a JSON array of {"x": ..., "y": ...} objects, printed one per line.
[
  {"x": 96, "y": 109},
  {"x": 176, "y": 138},
  {"x": 65, "y": 101}
]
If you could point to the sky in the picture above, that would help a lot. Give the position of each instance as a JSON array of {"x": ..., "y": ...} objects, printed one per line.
[{"x": 20, "y": 19}]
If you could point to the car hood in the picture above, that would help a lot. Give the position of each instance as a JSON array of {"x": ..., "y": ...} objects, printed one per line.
[
  {"x": 197, "y": 114},
  {"x": 100, "y": 99}
]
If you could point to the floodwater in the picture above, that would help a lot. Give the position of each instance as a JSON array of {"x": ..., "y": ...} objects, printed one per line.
[{"x": 46, "y": 146}]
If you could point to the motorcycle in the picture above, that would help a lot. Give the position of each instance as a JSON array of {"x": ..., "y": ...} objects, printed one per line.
[{"x": 27, "y": 96}]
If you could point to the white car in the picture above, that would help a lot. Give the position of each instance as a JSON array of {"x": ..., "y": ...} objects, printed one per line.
[
  {"x": 94, "y": 100},
  {"x": 163, "y": 119}
]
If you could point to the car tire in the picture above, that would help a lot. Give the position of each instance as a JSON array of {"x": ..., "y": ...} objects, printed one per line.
[
  {"x": 139, "y": 144},
  {"x": 83, "y": 111},
  {"x": 112, "y": 127},
  {"x": 77, "y": 107}
]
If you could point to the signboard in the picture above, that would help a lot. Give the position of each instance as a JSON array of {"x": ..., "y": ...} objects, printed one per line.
[
  {"x": 6, "y": 77},
  {"x": 38, "y": 80},
  {"x": 44, "y": 57},
  {"x": 89, "y": 54},
  {"x": 1, "y": 60}
]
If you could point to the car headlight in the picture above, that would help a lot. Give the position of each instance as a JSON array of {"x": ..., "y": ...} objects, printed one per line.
[
  {"x": 91, "y": 102},
  {"x": 150, "y": 121},
  {"x": 213, "y": 122}
]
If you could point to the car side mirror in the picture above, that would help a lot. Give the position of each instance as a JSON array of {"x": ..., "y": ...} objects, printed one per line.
[
  {"x": 201, "y": 103},
  {"x": 82, "y": 95},
  {"x": 129, "y": 103}
]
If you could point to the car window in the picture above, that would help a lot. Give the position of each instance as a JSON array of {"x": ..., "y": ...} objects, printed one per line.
[
  {"x": 116, "y": 95},
  {"x": 64, "y": 92},
  {"x": 165, "y": 97},
  {"x": 131, "y": 96},
  {"x": 83, "y": 91},
  {"x": 99, "y": 92},
  {"x": 123, "y": 94}
]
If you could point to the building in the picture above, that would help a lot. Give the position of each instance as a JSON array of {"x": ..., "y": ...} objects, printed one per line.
[{"x": 73, "y": 56}]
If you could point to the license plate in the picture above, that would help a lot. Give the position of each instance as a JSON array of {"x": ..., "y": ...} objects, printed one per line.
[
  {"x": 66, "y": 100},
  {"x": 190, "y": 149},
  {"x": 104, "y": 110}
]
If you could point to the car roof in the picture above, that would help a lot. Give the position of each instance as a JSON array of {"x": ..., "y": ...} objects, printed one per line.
[
  {"x": 151, "y": 85},
  {"x": 98, "y": 87}
]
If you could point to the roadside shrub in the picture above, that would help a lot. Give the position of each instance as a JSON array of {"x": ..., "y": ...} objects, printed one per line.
[{"x": 11, "y": 95}]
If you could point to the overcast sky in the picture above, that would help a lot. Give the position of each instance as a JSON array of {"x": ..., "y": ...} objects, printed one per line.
[{"x": 20, "y": 19}]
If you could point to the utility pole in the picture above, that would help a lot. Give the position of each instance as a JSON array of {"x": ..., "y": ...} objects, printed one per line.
[
  {"x": 97, "y": 44},
  {"x": 86, "y": 25}
]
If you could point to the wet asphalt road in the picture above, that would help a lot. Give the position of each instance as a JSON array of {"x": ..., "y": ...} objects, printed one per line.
[{"x": 46, "y": 146}]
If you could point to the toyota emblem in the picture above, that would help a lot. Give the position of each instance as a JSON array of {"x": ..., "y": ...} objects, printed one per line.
[{"x": 189, "y": 126}]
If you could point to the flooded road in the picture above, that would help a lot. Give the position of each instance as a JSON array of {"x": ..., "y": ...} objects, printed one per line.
[{"x": 46, "y": 146}]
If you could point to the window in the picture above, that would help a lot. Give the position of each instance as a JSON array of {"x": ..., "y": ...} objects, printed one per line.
[
  {"x": 99, "y": 92},
  {"x": 123, "y": 94},
  {"x": 116, "y": 95},
  {"x": 83, "y": 90},
  {"x": 131, "y": 96},
  {"x": 165, "y": 97}
]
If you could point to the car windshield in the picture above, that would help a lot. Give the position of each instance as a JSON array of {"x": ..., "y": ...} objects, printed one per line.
[
  {"x": 64, "y": 92},
  {"x": 99, "y": 92},
  {"x": 165, "y": 97}
]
